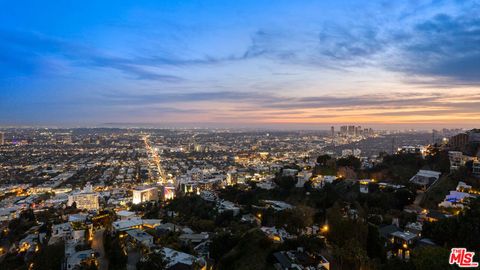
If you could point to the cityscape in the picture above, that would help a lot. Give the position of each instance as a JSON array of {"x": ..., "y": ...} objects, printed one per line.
[{"x": 224, "y": 135}]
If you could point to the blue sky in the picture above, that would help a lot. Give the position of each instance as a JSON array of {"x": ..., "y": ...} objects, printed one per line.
[{"x": 240, "y": 63}]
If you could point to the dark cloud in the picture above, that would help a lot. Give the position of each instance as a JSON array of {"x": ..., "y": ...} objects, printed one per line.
[
  {"x": 352, "y": 44},
  {"x": 23, "y": 52},
  {"x": 445, "y": 47}
]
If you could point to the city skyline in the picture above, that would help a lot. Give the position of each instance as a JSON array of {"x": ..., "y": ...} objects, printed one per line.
[{"x": 268, "y": 64}]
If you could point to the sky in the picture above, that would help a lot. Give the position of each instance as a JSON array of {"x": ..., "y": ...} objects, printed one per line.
[{"x": 277, "y": 63}]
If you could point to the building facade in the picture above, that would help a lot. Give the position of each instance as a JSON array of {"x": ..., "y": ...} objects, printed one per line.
[
  {"x": 87, "y": 201},
  {"x": 144, "y": 194}
]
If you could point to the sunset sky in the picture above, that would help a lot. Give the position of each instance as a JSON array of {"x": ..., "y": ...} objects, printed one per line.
[{"x": 292, "y": 64}]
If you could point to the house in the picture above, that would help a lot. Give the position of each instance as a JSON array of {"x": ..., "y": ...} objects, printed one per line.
[
  {"x": 476, "y": 168},
  {"x": 81, "y": 256},
  {"x": 85, "y": 199},
  {"x": 151, "y": 223},
  {"x": 167, "y": 227},
  {"x": 208, "y": 196},
  {"x": 456, "y": 160},
  {"x": 181, "y": 260},
  {"x": 77, "y": 218},
  {"x": 385, "y": 231},
  {"x": 434, "y": 216},
  {"x": 276, "y": 235},
  {"x": 61, "y": 230},
  {"x": 193, "y": 238},
  {"x": 289, "y": 172},
  {"x": 125, "y": 225},
  {"x": 29, "y": 243},
  {"x": 223, "y": 206},
  {"x": 127, "y": 215},
  {"x": 143, "y": 194},
  {"x": 415, "y": 228},
  {"x": 402, "y": 244},
  {"x": 203, "y": 249},
  {"x": 302, "y": 178},
  {"x": 299, "y": 259},
  {"x": 425, "y": 178},
  {"x": 277, "y": 205},
  {"x": 364, "y": 183},
  {"x": 320, "y": 181},
  {"x": 249, "y": 218},
  {"x": 455, "y": 199},
  {"x": 266, "y": 184},
  {"x": 140, "y": 238}
]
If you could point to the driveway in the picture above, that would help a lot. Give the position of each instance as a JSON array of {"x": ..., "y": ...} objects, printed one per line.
[{"x": 97, "y": 245}]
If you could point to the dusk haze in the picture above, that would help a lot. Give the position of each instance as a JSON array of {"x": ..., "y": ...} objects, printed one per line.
[{"x": 283, "y": 64}]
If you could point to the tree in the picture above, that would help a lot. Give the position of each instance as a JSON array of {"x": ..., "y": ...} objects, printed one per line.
[
  {"x": 438, "y": 160},
  {"x": 298, "y": 218},
  {"x": 221, "y": 244},
  {"x": 285, "y": 182},
  {"x": 342, "y": 229},
  {"x": 458, "y": 231},
  {"x": 154, "y": 261},
  {"x": 400, "y": 167},
  {"x": 350, "y": 161},
  {"x": 49, "y": 257},
  {"x": 114, "y": 252},
  {"x": 325, "y": 166},
  {"x": 311, "y": 244},
  {"x": 351, "y": 255},
  {"x": 404, "y": 197},
  {"x": 322, "y": 160},
  {"x": 11, "y": 261},
  {"x": 397, "y": 264},
  {"x": 374, "y": 244},
  {"x": 203, "y": 225},
  {"x": 251, "y": 252},
  {"x": 191, "y": 206},
  {"x": 224, "y": 219},
  {"x": 431, "y": 258}
]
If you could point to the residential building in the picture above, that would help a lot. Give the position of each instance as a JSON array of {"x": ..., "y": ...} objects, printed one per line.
[
  {"x": 223, "y": 206},
  {"x": 77, "y": 258},
  {"x": 86, "y": 199},
  {"x": 181, "y": 260},
  {"x": 143, "y": 194},
  {"x": 456, "y": 160},
  {"x": 402, "y": 243},
  {"x": 425, "y": 178},
  {"x": 459, "y": 141},
  {"x": 194, "y": 238},
  {"x": 140, "y": 238},
  {"x": 299, "y": 259},
  {"x": 476, "y": 168}
]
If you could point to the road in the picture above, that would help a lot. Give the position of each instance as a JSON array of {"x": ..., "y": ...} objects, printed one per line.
[
  {"x": 97, "y": 245},
  {"x": 133, "y": 258}
]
